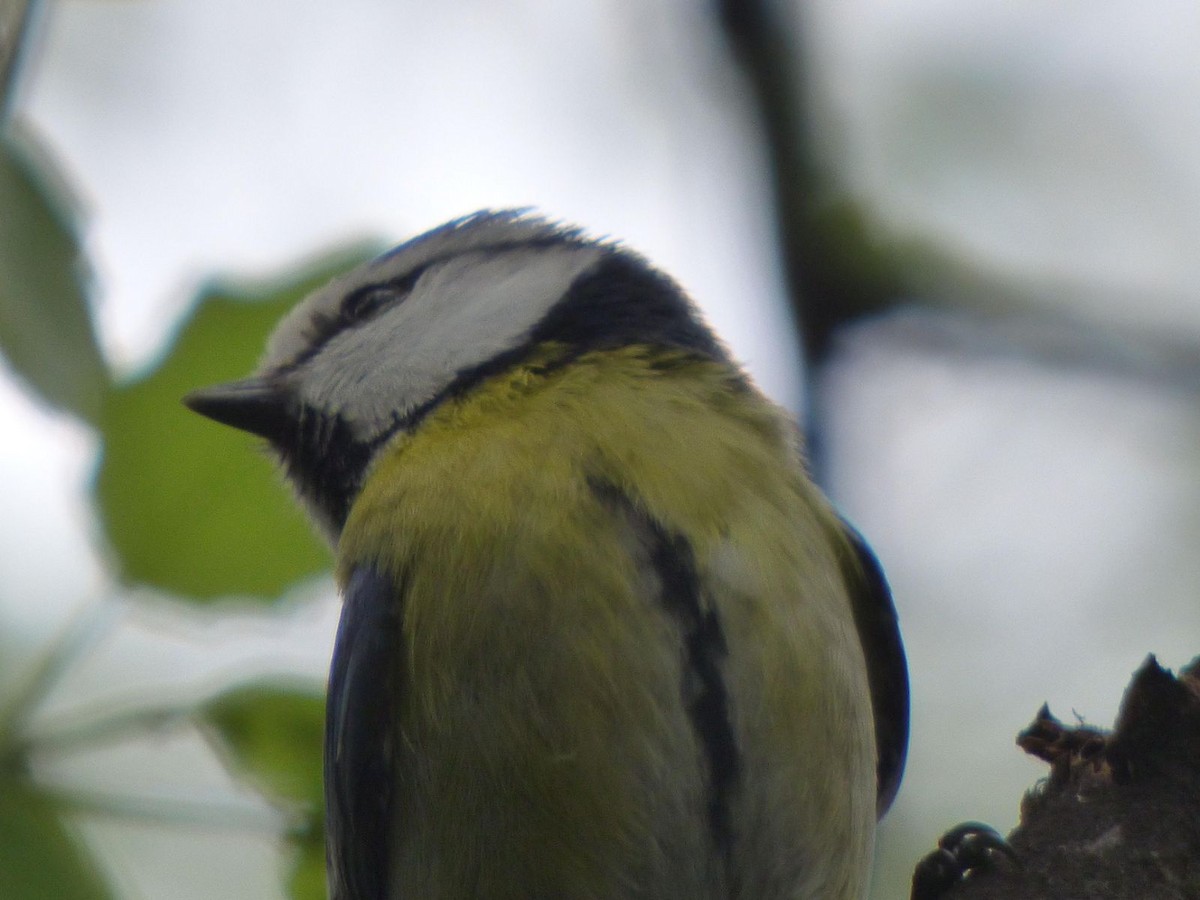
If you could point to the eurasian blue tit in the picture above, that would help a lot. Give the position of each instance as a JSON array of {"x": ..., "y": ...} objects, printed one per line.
[{"x": 601, "y": 636}]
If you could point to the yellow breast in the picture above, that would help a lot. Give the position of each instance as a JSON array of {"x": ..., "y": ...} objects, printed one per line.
[{"x": 546, "y": 734}]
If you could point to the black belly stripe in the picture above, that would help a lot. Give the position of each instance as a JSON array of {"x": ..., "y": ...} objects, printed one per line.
[
  {"x": 703, "y": 688},
  {"x": 704, "y": 647}
]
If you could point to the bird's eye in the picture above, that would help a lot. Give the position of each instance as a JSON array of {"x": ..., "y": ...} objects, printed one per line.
[{"x": 366, "y": 301}]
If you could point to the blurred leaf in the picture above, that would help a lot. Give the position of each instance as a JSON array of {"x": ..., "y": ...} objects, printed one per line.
[
  {"x": 192, "y": 506},
  {"x": 307, "y": 879},
  {"x": 38, "y": 857},
  {"x": 45, "y": 326},
  {"x": 272, "y": 737}
]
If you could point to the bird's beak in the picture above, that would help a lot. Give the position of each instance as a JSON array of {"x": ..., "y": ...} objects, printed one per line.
[{"x": 253, "y": 404}]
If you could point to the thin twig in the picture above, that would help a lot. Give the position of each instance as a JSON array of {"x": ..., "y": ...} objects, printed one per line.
[
  {"x": 175, "y": 811},
  {"x": 16, "y": 25},
  {"x": 79, "y": 634},
  {"x": 106, "y": 728}
]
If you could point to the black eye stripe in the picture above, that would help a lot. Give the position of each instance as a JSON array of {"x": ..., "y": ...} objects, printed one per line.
[
  {"x": 365, "y": 302},
  {"x": 356, "y": 307},
  {"x": 359, "y": 305}
]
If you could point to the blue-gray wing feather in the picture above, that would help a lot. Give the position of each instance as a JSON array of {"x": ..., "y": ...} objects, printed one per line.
[
  {"x": 360, "y": 725},
  {"x": 887, "y": 669}
]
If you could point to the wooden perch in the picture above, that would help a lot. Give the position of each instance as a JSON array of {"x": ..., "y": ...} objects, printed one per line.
[{"x": 1118, "y": 818}]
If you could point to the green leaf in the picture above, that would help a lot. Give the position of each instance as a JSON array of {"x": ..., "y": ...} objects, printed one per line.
[
  {"x": 272, "y": 738},
  {"x": 192, "y": 506},
  {"x": 307, "y": 880},
  {"x": 38, "y": 856},
  {"x": 45, "y": 325}
]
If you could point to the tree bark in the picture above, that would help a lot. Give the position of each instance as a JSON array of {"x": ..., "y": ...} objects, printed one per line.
[{"x": 1118, "y": 818}]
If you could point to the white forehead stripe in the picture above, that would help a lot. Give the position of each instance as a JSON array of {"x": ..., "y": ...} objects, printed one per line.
[{"x": 463, "y": 312}]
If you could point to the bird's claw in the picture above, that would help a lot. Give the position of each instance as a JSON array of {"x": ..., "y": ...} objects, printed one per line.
[{"x": 962, "y": 852}]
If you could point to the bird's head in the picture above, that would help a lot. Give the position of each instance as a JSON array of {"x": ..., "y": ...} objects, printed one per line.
[{"x": 375, "y": 350}]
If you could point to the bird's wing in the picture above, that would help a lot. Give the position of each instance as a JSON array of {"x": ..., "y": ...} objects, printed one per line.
[
  {"x": 359, "y": 725},
  {"x": 879, "y": 634}
]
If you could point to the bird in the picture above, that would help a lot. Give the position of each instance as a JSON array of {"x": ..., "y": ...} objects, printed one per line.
[{"x": 601, "y": 635}]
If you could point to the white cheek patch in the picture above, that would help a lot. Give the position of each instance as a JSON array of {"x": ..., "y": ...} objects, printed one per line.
[
  {"x": 463, "y": 313},
  {"x": 471, "y": 234}
]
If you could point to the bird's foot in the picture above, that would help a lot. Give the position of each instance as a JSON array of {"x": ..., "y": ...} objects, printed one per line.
[{"x": 962, "y": 852}]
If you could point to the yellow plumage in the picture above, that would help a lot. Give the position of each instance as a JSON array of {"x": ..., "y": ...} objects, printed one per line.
[{"x": 542, "y": 676}]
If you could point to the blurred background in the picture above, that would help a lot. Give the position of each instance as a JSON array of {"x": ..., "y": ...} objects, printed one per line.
[{"x": 978, "y": 225}]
